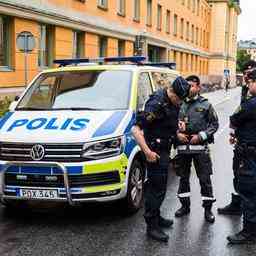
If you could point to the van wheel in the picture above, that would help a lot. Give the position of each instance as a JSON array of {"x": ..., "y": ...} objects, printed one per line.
[{"x": 135, "y": 191}]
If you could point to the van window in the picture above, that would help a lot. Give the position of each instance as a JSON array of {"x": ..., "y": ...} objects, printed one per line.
[
  {"x": 92, "y": 89},
  {"x": 162, "y": 80},
  {"x": 144, "y": 89}
]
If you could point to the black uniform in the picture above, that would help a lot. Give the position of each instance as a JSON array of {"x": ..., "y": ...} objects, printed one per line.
[
  {"x": 201, "y": 119},
  {"x": 244, "y": 121},
  {"x": 234, "y": 208},
  {"x": 159, "y": 121},
  {"x": 244, "y": 93}
]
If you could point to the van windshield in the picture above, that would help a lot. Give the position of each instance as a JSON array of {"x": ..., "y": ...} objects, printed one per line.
[{"x": 91, "y": 89}]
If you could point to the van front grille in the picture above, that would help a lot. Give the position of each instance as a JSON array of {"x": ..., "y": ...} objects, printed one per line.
[{"x": 53, "y": 152}]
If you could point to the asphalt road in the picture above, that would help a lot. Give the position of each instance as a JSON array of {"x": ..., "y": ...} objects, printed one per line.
[{"x": 105, "y": 230}]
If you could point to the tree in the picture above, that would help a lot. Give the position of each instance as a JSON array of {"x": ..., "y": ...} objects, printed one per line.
[{"x": 242, "y": 58}]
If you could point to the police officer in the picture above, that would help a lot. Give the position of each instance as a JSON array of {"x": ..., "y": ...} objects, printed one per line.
[
  {"x": 244, "y": 123},
  {"x": 154, "y": 129},
  {"x": 234, "y": 207},
  {"x": 198, "y": 123},
  {"x": 249, "y": 66}
]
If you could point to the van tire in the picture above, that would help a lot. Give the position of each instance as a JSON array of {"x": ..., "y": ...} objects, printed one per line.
[{"x": 135, "y": 191}]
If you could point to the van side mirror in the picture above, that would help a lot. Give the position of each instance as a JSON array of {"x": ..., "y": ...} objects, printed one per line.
[{"x": 13, "y": 105}]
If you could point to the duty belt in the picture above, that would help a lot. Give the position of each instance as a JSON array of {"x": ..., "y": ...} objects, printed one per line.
[
  {"x": 191, "y": 149},
  {"x": 246, "y": 150}
]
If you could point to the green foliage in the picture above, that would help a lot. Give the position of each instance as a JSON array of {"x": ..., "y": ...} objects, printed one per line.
[
  {"x": 4, "y": 105},
  {"x": 242, "y": 58},
  {"x": 231, "y": 3}
]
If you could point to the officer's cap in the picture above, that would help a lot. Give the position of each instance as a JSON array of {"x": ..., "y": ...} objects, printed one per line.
[
  {"x": 181, "y": 87},
  {"x": 249, "y": 65},
  {"x": 193, "y": 79},
  {"x": 252, "y": 75}
]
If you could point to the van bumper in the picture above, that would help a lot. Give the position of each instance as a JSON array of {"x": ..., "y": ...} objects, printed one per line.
[{"x": 99, "y": 181}]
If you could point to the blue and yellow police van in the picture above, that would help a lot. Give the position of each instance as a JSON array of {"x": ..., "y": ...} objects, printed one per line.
[{"x": 68, "y": 138}]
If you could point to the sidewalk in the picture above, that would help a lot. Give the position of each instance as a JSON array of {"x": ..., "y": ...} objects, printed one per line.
[
  {"x": 10, "y": 92},
  {"x": 220, "y": 96}
]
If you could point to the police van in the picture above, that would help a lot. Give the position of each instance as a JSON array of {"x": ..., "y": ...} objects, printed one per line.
[{"x": 68, "y": 138}]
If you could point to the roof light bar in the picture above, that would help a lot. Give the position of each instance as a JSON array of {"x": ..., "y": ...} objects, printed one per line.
[
  {"x": 170, "y": 65},
  {"x": 133, "y": 59}
]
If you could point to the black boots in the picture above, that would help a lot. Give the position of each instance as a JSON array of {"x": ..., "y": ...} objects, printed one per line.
[
  {"x": 234, "y": 208},
  {"x": 185, "y": 207},
  {"x": 156, "y": 233},
  {"x": 208, "y": 215},
  {"x": 246, "y": 236},
  {"x": 154, "y": 228},
  {"x": 164, "y": 223},
  {"x": 183, "y": 210}
]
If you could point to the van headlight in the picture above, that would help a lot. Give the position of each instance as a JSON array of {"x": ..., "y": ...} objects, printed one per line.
[{"x": 104, "y": 148}]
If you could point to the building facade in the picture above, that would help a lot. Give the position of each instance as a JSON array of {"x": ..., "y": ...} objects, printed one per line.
[
  {"x": 199, "y": 35},
  {"x": 249, "y": 46}
]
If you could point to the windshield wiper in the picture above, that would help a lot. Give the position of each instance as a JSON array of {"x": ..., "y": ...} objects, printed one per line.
[
  {"x": 76, "y": 108},
  {"x": 32, "y": 108}
]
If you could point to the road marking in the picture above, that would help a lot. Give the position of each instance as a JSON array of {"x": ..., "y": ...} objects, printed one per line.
[
  {"x": 227, "y": 98},
  {"x": 222, "y": 130}
]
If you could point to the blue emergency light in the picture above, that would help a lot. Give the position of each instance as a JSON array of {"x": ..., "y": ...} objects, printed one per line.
[
  {"x": 170, "y": 65},
  {"x": 133, "y": 59}
]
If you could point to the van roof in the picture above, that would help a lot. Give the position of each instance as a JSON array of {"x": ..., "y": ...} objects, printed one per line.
[{"x": 92, "y": 67}]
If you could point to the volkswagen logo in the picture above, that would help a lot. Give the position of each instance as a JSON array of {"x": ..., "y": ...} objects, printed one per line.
[{"x": 37, "y": 152}]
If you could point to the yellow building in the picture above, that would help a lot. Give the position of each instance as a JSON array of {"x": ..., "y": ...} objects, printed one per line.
[{"x": 199, "y": 35}]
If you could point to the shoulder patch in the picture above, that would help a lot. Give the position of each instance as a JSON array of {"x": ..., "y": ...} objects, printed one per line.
[
  {"x": 200, "y": 109},
  {"x": 150, "y": 116}
]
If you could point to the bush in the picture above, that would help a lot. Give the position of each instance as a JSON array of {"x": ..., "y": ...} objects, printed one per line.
[{"x": 4, "y": 105}]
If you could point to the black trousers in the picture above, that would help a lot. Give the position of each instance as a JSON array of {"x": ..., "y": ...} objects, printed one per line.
[
  {"x": 236, "y": 163},
  {"x": 155, "y": 187},
  {"x": 203, "y": 167},
  {"x": 246, "y": 186}
]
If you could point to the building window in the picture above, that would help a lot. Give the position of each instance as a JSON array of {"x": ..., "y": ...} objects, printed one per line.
[
  {"x": 149, "y": 12},
  {"x": 201, "y": 37},
  {"x": 175, "y": 25},
  {"x": 159, "y": 17},
  {"x": 187, "y": 33},
  {"x": 121, "y": 48},
  {"x": 204, "y": 39},
  {"x": 198, "y": 7},
  {"x": 182, "y": 28},
  {"x": 103, "y": 4},
  {"x": 197, "y": 36},
  {"x": 193, "y": 34},
  {"x": 46, "y": 45},
  {"x": 189, "y": 4},
  {"x": 78, "y": 44},
  {"x": 5, "y": 36},
  {"x": 168, "y": 21},
  {"x": 194, "y": 6},
  {"x": 121, "y": 7},
  {"x": 136, "y": 10},
  {"x": 181, "y": 61},
  {"x": 207, "y": 39},
  {"x": 103, "y": 45}
]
